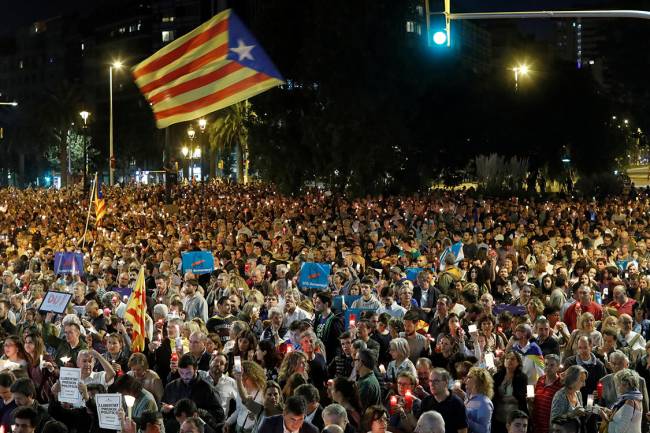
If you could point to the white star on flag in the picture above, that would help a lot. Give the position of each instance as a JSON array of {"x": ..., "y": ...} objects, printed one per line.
[{"x": 243, "y": 50}]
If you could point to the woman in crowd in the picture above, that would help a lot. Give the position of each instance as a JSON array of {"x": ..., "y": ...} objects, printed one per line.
[
  {"x": 375, "y": 420},
  {"x": 246, "y": 342},
  {"x": 42, "y": 369},
  {"x": 293, "y": 362},
  {"x": 403, "y": 404},
  {"x": 509, "y": 390},
  {"x": 144, "y": 400},
  {"x": 251, "y": 383},
  {"x": 486, "y": 323},
  {"x": 627, "y": 413},
  {"x": 478, "y": 405},
  {"x": 567, "y": 403},
  {"x": 14, "y": 351},
  {"x": 399, "y": 351},
  {"x": 117, "y": 352},
  {"x": 586, "y": 328},
  {"x": 267, "y": 356}
]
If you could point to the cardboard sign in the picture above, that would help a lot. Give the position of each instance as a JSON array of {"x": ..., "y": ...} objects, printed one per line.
[
  {"x": 69, "y": 379},
  {"x": 107, "y": 407},
  {"x": 198, "y": 262},
  {"x": 69, "y": 263},
  {"x": 314, "y": 275},
  {"x": 55, "y": 302}
]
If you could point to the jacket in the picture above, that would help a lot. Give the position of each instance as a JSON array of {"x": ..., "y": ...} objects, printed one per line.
[
  {"x": 275, "y": 424},
  {"x": 197, "y": 390}
]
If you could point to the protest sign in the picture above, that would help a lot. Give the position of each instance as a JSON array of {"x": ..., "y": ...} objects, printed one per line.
[
  {"x": 337, "y": 302},
  {"x": 198, "y": 262},
  {"x": 69, "y": 263},
  {"x": 314, "y": 275},
  {"x": 515, "y": 310},
  {"x": 107, "y": 407},
  {"x": 55, "y": 302},
  {"x": 69, "y": 379}
]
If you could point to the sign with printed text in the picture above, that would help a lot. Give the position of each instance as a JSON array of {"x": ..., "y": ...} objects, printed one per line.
[
  {"x": 198, "y": 262},
  {"x": 314, "y": 275},
  {"x": 69, "y": 379},
  {"x": 107, "y": 408},
  {"x": 69, "y": 263},
  {"x": 55, "y": 302}
]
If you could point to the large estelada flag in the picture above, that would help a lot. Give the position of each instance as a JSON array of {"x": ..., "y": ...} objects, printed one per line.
[
  {"x": 215, "y": 65},
  {"x": 136, "y": 310},
  {"x": 100, "y": 203}
]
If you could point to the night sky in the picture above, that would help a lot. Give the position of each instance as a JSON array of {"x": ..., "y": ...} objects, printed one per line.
[{"x": 24, "y": 12}]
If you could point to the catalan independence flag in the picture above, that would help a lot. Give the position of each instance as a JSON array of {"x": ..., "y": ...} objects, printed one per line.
[
  {"x": 136, "y": 310},
  {"x": 215, "y": 65},
  {"x": 100, "y": 203}
]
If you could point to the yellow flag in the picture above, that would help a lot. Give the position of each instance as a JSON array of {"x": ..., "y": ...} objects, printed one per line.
[{"x": 136, "y": 311}]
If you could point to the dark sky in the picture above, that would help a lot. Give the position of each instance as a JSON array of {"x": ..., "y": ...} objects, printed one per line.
[{"x": 17, "y": 13}]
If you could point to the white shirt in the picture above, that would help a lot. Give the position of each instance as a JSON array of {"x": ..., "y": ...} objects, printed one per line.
[
  {"x": 298, "y": 314},
  {"x": 394, "y": 310}
]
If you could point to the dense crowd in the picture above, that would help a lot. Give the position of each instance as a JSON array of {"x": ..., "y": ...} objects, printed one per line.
[{"x": 475, "y": 315}]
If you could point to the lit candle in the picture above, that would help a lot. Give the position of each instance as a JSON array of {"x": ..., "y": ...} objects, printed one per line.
[
  {"x": 130, "y": 400},
  {"x": 530, "y": 391},
  {"x": 65, "y": 359},
  {"x": 382, "y": 369}
]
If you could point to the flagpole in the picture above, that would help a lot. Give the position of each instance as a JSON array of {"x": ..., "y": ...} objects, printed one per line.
[{"x": 90, "y": 206}]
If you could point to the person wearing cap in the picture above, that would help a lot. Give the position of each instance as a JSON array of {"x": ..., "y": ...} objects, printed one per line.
[{"x": 194, "y": 304}]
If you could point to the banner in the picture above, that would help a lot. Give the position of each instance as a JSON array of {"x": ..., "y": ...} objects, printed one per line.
[
  {"x": 314, "y": 275},
  {"x": 198, "y": 262},
  {"x": 69, "y": 263},
  {"x": 513, "y": 309},
  {"x": 69, "y": 379},
  {"x": 107, "y": 407},
  {"x": 55, "y": 302},
  {"x": 337, "y": 302}
]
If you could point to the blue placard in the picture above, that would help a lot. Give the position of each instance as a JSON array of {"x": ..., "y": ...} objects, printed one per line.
[
  {"x": 412, "y": 273},
  {"x": 514, "y": 309},
  {"x": 314, "y": 275},
  {"x": 198, "y": 262},
  {"x": 357, "y": 314},
  {"x": 337, "y": 302},
  {"x": 69, "y": 263}
]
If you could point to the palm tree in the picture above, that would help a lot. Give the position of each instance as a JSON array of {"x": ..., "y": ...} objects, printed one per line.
[{"x": 230, "y": 131}]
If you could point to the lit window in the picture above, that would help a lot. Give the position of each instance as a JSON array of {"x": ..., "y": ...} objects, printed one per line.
[
  {"x": 419, "y": 10},
  {"x": 167, "y": 35},
  {"x": 167, "y": 19},
  {"x": 410, "y": 26}
]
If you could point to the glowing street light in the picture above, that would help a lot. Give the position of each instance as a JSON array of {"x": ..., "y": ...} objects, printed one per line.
[
  {"x": 85, "y": 115},
  {"x": 521, "y": 70},
  {"x": 117, "y": 64}
]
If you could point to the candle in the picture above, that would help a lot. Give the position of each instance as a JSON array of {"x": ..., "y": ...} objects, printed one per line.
[
  {"x": 41, "y": 358},
  {"x": 353, "y": 319},
  {"x": 289, "y": 349},
  {"x": 599, "y": 390},
  {"x": 530, "y": 391},
  {"x": 130, "y": 400},
  {"x": 393, "y": 403},
  {"x": 590, "y": 401},
  {"x": 408, "y": 398},
  {"x": 382, "y": 369},
  {"x": 65, "y": 359}
]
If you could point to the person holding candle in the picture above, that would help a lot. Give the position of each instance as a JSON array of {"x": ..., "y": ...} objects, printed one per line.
[
  {"x": 567, "y": 402},
  {"x": 14, "y": 351},
  {"x": 404, "y": 404},
  {"x": 42, "y": 369},
  {"x": 128, "y": 385}
]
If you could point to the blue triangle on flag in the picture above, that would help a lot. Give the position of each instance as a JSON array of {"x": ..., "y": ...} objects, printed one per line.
[{"x": 245, "y": 50}]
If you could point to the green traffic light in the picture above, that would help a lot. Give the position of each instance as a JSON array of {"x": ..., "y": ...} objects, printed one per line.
[{"x": 440, "y": 38}]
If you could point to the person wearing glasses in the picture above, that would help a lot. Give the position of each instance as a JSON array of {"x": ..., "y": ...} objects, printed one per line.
[{"x": 444, "y": 402}]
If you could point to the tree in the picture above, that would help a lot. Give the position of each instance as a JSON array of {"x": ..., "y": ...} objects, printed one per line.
[
  {"x": 229, "y": 131},
  {"x": 60, "y": 113}
]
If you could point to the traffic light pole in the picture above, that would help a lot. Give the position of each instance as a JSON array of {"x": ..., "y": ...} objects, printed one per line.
[{"x": 551, "y": 14}]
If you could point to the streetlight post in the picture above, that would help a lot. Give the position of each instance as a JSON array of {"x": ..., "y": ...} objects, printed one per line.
[
  {"x": 191, "y": 133},
  {"x": 116, "y": 65},
  {"x": 85, "y": 115},
  {"x": 202, "y": 125}
]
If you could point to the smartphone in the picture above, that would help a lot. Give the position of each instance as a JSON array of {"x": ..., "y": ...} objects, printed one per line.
[{"x": 237, "y": 364}]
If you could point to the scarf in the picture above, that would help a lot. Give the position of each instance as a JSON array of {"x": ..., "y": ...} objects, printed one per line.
[{"x": 630, "y": 395}]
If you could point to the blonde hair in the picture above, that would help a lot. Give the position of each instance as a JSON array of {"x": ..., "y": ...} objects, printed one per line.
[
  {"x": 401, "y": 346},
  {"x": 253, "y": 371},
  {"x": 484, "y": 382}
]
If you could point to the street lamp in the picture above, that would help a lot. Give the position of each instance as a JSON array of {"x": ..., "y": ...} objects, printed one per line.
[
  {"x": 520, "y": 70},
  {"x": 115, "y": 65},
  {"x": 85, "y": 115}
]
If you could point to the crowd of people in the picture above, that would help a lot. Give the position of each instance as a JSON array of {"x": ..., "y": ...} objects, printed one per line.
[{"x": 471, "y": 314}]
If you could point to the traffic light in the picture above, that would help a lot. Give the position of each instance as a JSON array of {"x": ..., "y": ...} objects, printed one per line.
[{"x": 439, "y": 24}]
